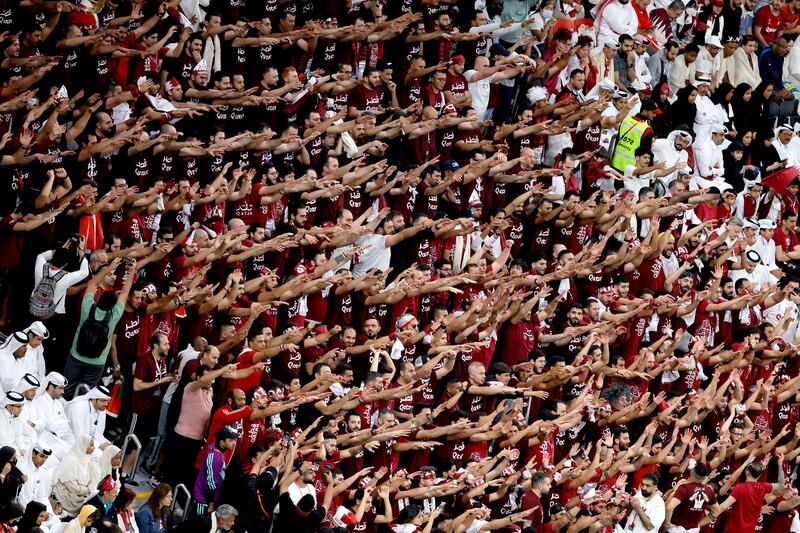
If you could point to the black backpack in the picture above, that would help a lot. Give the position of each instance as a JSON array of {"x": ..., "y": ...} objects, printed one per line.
[{"x": 93, "y": 335}]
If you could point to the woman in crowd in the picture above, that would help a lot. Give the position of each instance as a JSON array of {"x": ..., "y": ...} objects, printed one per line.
[
  {"x": 82, "y": 522},
  {"x": 35, "y": 515},
  {"x": 76, "y": 476},
  {"x": 155, "y": 515},
  {"x": 10, "y": 476},
  {"x": 124, "y": 505}
]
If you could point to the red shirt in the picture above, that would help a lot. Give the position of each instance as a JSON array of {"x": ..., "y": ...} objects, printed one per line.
[
  {"x": 10, "y": 242},
  {"x": 785, "y": 241},
  {"x": 226, "y": 416},
  {"x": 743, "y": 516},
  {"x": 245, "y": 360},
  {"x": 769, "y": 22},
  {"x": 149, "y": 369},
  {"x": 791, "y": 19},
  {"x": 518, "y": 340},
  {"x": 695, "y": 499},
  {"x": 366, "y": 99}
]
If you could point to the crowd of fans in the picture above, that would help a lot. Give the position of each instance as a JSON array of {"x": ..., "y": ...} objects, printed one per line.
[{"x": 399, "y": 266}]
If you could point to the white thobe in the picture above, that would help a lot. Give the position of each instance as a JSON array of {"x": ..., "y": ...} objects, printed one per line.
[
  {"x": 13, "y": 432},
  {"x": 708, "y": 114},
  {"x": 52, "y": 424},
  {"x": 86, "y": 420},
  {"x": 617, "y": 19},
  {"x": 39, "y": 485},
  {"x": 766, "y": 249},
  {"x": 14, "y": 369}
]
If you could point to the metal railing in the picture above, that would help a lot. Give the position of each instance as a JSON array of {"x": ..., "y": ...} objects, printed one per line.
[
  {"x": 180, "y": 512},
  {"x": 81, "y": 389},
  {"x": 130, "y": 437}
]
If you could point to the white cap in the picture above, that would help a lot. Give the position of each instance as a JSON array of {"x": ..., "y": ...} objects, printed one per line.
[
  {"x": 766, "y": 223},
  {"x": 536, "y": 94},
  {"x": 12, "y": 398},
  {"x": 608, "y": 85},
  {"x": 750, "y": 223},
  {"x": 719, "y": 128},
  {"x": 39, "y": 329},
  {"x": 27, "y": 382},
  {"x": 713, "y": 41},
  {"x": 753, "y": 256}
]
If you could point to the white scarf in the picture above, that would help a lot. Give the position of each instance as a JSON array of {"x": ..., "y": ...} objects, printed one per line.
[{"x": 213, "y": 54}]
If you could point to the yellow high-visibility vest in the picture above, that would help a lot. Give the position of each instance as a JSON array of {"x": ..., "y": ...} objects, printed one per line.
[{"x": 631, "y": 131}]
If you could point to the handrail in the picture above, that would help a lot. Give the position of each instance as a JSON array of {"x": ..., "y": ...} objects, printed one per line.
[
  {"x": 180, "y": 514},
  {"x": 130, "y": 437},
  {"x": 81, "y": 389}
]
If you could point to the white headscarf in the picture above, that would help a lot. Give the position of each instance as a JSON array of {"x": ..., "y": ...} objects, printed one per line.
[
  {"x": 97, "y": 393},
  {"x": 75, "y": 477},
  {"x": 52, "y": 377},
  {"x": 104, "y": 463}
]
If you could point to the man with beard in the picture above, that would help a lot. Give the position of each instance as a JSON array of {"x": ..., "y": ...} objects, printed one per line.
[
  {"x": 299, "y": 509},
  {"x": 222, "y": 519},
  {"x": 646, "y": 507},
  {"x": 368, "y": 95},
  {"x": 455, "y": 87}
]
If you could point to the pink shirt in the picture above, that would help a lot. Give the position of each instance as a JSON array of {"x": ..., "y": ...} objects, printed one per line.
[{"x": 195, "y": 413}]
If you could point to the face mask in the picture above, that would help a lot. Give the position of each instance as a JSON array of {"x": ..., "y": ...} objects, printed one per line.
[{"x": 547, "y": 14}]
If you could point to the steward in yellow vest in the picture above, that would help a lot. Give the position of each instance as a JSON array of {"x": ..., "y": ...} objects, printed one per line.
[{"x": 634, "y": 132}]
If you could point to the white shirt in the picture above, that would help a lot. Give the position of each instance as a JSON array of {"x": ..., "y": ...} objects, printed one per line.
[
  {"x": 39, "y": 485},
  {"x": 789, "y": 151},
  {"x": 296, "y": 492},
  {"x": 766, "y": 249},
  {"x": 641, "y": 68},
  {"x": 480, "y": 91},
  {"x": 774, "y": 314},
  {"x": 617, "y": 19},
  {"x": 12, "y": 432},
  {"x": 760, "y": 277},
  {"x": 52, "y": 424},
  {"x": 14, "y": 369},
  {"x": 708, "y": 65},
  {"x": 67, "y": 281},
  {"x": 377, "y": 255},
  {"x": 86, "y": 420},
  {"x": 664, "y": 152},
  {"x": 636, "y": 183},
  {"x": 653, "y": 507},
  {"x": 681, "y": 72},
  {"x": 708, "y": 114},
  {"x": 708, "y": 160}
]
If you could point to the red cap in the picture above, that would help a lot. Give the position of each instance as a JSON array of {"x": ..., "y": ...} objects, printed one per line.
[
  {"x": 106, "y": 484},
  {"x": 458, "y": 59}
]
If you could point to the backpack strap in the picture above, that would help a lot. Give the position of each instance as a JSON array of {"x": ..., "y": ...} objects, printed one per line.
[{"x": 106, "y": 319}]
